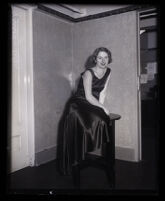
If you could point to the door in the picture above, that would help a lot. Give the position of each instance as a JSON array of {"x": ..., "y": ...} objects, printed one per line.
[{"x": 19, "y": 129}]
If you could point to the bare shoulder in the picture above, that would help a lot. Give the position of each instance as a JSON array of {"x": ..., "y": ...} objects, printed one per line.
[{"x": 87, "y": 74}]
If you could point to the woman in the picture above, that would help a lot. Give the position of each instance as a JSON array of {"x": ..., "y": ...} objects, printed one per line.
[{"x": 85, "y": 123}]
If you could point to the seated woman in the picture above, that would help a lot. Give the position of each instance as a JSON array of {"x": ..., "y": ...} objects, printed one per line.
[{"x": 85, "y": 124}]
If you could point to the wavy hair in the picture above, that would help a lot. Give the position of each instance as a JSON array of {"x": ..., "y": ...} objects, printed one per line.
[
  {"x": 91, "y": 61},
  {"x": 102, "y": 49}
]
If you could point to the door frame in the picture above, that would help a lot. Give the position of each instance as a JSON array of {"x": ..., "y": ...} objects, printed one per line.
[{"x": 139, "y": 140}]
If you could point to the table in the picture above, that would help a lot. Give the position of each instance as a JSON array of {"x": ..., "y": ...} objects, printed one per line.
[{"x": 107, "y": 160}]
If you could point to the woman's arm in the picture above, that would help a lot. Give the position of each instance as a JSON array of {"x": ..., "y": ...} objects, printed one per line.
[
  {"x": 103, "y": 92},
  {"x": 87, "y": 81}
]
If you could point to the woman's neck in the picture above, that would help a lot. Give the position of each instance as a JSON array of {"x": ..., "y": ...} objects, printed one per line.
[{"x": 99, "y": 71}]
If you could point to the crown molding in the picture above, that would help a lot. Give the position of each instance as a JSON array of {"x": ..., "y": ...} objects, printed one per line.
[{"x": 94, "y": 16}]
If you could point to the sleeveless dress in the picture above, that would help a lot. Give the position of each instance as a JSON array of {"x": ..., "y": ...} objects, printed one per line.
[{"x": 84, "y": 127}]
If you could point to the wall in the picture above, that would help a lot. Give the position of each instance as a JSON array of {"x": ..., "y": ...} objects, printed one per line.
[
  {"x": 52, "y": 65},
  {"x": 60, "y": 51},
  {"x": 119, "y": 34}
]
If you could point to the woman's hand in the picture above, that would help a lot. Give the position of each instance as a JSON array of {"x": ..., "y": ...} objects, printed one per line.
[{"x": 106, "y": 111}]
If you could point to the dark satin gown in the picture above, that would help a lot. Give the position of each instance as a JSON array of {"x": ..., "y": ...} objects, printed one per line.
[{"x": 84, "y": 128}]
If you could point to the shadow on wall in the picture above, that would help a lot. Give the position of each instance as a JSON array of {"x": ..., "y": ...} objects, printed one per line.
[
  {"x": 89, "y": 62},
  {"x": 73, "y": 85}
]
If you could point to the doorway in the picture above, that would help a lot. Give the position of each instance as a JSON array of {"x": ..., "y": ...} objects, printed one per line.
[{"x": 148, "y": 24}]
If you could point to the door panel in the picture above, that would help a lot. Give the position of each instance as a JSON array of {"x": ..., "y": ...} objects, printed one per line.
[{"x": 19, "y": 135}]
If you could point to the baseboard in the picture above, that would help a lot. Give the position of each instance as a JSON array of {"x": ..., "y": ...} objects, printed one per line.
[
  {"x": 124, "y": 153},
  {"x": 45, "y": 156},
  {"x": 49, "y": 154},
  {"x": 121, "y": 153}
]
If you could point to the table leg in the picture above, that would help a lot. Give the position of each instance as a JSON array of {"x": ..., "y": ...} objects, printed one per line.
[
  {"x": 110, "y": 157},
  {"x": 76, "y": 175}
]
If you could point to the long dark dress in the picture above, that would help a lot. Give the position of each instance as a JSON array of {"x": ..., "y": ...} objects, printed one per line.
[{"x": 84, "y": 128}]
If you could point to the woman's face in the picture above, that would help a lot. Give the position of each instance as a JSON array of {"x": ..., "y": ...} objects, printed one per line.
[{"x": 102, "y": 59}]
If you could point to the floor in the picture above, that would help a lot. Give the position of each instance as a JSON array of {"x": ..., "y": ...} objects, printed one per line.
[{"x": 129, "y": 176}]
